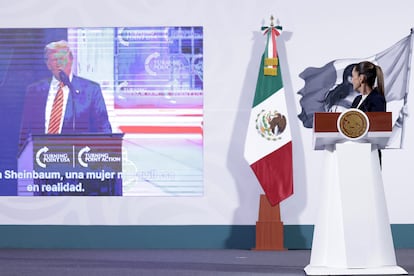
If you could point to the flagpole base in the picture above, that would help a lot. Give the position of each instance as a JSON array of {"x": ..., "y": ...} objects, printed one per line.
[
  {"x": 269, "y": 227},
  {"x": 385, "y": 270}
]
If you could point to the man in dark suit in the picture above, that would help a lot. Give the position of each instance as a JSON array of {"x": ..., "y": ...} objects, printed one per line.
[
  {"x": 66, "y": 104},
  {"x": 84, "y": 109}
]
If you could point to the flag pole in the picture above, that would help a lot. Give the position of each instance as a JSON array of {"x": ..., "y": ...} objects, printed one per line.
[
  {"x": 407, "y": 81},
  {"x": 269, "y": 227}
]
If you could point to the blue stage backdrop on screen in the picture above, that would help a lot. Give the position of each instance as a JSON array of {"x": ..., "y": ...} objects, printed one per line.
[
  {"x": 162, "y": 66},
  {"x": 132, "y": 117}
]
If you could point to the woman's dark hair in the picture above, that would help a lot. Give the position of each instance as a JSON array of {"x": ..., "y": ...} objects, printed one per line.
[
  {"x": 341, "y": 91},
  {"x": 371, "y": 72}
]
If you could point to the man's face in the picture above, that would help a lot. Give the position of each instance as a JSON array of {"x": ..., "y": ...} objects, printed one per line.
[{"x": 57, "y": 60}]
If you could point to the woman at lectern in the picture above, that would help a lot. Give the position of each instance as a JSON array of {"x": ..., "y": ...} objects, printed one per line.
[{"x": 372, "y": 98}]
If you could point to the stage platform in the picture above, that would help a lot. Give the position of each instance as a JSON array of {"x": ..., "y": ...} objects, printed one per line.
[{"x": 152, "y": 262}]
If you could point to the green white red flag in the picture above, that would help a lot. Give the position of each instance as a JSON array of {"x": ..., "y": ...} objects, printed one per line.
[{"x": 268, "y": 148}]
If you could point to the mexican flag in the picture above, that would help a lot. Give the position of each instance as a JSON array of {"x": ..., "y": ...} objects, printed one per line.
[{"x": 268, "y": 148}]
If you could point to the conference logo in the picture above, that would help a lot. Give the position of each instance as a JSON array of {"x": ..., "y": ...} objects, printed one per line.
[
  {"x": 87, "y": 156},
  {"x": 270, "y": 124},
  {"x": 45, "y": 157}
]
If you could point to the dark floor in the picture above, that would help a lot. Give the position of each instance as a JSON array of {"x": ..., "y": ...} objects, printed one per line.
[{"x": 100, "y": 262}]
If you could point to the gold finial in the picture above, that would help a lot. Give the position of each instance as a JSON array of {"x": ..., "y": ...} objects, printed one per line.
[{"x": 271, "y": 21}]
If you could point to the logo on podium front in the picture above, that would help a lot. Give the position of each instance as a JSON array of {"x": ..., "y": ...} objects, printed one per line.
[{"x": 353, "y": 124}]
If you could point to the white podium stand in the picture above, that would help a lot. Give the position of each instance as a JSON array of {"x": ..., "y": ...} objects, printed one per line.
[{"x": 352, "y": 235}]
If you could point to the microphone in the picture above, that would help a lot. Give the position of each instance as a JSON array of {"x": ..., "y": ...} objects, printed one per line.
[{"x": 65, "y": 79}]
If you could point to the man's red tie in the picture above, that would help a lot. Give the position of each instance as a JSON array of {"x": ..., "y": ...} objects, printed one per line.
[{"x": 56, "y": 115}]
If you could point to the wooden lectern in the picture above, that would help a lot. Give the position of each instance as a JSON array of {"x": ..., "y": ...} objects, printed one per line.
[{"x": 352, "y": 234}]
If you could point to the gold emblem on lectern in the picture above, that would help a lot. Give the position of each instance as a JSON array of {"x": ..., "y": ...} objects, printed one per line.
[{"x": 353, "y": 123}]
